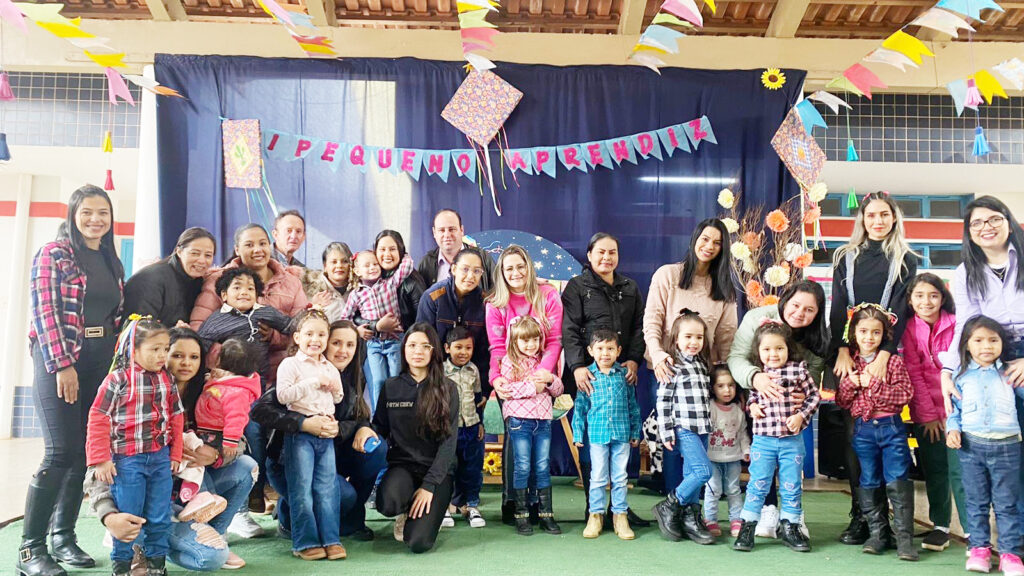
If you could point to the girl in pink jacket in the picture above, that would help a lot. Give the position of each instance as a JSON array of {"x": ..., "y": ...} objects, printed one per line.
[{"x": 929, "y": 331}]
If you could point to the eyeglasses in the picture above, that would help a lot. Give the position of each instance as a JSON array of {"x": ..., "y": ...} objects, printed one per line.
[
  {"x": 419, "y": 347},
  {"x": 993, "y": 222},
  {"x": 478, "y": 272}
]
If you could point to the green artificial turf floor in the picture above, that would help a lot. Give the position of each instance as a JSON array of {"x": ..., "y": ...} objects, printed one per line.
[{"x": 497, "y": 551}]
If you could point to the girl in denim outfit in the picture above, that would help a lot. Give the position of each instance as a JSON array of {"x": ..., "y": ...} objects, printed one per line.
[{"x": 983, "y": 427}]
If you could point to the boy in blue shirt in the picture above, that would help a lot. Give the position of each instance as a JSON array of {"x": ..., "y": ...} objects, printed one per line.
[{"x": 611, "y": 417}]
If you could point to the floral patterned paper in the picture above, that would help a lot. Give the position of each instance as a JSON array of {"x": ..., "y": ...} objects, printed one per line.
[
  {"x": 798, "y": 150},
  {"x": 241, "y": 142},
  {"x": 481, "y": 105}
]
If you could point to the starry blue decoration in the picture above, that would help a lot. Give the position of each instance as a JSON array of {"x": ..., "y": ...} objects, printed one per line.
[{"x": 551, "y": 260}]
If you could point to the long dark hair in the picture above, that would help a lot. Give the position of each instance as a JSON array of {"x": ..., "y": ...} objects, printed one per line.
[
  {"x": 194, "y": 388},
  {"x": 969, "y": 328},
  {"x": 433, "y": 405},
  {"x": 353, "y": 373},
  {"x": 722, "y": 289},
  {"x": 68, "y": 229},
  {"x": 815, "y": 337},
  {"x": 974, "y": 258},
  {"x": 398, "y": 241},
  {"x": 935, "y": 282},
  {"x": 777, "y": 329}
]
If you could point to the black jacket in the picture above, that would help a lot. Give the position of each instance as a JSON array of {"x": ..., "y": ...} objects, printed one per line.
[
  {"x": 588, "y": 304},
  {"x": 162, "y": 290},
  {"x": 428, "y": 267},
  {"x": 441, "y": 308}
]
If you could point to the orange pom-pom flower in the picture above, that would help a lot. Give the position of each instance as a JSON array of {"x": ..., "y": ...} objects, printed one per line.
[
  {"x": 776, "y": 221},
  {"x": 804, "y": 260},
  {"x": 812, "y": 215}
]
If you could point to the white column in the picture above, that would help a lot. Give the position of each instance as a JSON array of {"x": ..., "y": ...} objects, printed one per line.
[
  {"x": 147, "y": 200},
  {"x": 14, "y": 326}
]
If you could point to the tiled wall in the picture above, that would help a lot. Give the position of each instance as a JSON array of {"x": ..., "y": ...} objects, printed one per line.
[
  {"x": 923, "y": 128},
  {"x": 26, "y": 425},
  {"x": 67, "y": 110}
]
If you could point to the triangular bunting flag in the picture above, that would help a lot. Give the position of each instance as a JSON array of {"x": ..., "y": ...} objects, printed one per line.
[
  {"x": 890, "y": 57},
  {"x": 907, "y": 45},
  {"x": 830, "y": 100},
  {"x": 685, "y": 9},
  {"x": 863, "y": 79},
  {"x": 970, "y": 8},
  {"x": 475, "y": 19},
  {"x": 665, "y": 18},
  {"x": 988, "y": 85},
  {"x": 809, "y": 115},
  {"x": 841, "y": 83},
  {"x": 943, "y": 21},
  {"x": 544, "y": 160}
]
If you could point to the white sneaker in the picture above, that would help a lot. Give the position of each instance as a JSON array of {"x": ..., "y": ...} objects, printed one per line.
[
  {"x": 803, "y": 527},
  {"x": 448, "y": 521},
  {"x": 768, "y": 525},
  {"x": 108, "y": 539},
  {"x": 243, "y": 526},
  {"x": 400, "y": 527},
  {"x": 474, "y": 517}
]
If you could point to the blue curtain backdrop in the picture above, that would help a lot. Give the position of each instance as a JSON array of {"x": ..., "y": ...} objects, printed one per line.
[{"x": 652, "y": 207}]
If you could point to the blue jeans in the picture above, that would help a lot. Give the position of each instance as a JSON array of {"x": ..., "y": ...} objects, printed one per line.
[
  {"x": 882, "y": 450},
  {"x": 469, "y": 471},
  {"x": 256, "y": 446},
  {"x": 143, "y": 487},
  {"x": 233, "y": 482},
  {"x": 531, "y": 441},
  {"x": 725, "y": 480},
  {"x": 992, "y": 481},
  {"x": 696, "y": 468},
  {"x": 277, "y": 480},
  {"x": 383, "y": 361},
  {"x": 766, "y": 454},
  {"x": 361, "y": 471},
  {"x": 186, "y": 552},
  {"x": 313, "y": 497},
  {"x": 608, "y": 463}
]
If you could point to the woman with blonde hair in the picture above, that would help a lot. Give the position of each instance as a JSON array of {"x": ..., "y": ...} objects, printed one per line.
[
  {"x": 517, "y": 292},
  {"x": 874, "y": 267}
]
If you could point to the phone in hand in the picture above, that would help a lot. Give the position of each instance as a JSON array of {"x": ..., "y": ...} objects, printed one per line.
[{"x": 371, "y": 444}]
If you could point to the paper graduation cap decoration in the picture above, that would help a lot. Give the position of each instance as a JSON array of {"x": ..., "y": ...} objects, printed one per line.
[
  {"x": 799, "y": 152},
  {"x": 479, "y": 109}
]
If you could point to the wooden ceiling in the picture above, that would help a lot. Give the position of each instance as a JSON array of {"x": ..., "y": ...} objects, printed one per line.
[{"x": 774, "y": 18}]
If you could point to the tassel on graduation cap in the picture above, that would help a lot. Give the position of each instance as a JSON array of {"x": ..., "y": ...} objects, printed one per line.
[
  {"x": 851, "y": 200},
  {"x": 851, "y": 151},
  {"x": 980, "y": 144}
]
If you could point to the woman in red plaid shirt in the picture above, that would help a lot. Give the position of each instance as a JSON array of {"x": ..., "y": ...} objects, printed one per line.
[{"x": 879, "y": 435}]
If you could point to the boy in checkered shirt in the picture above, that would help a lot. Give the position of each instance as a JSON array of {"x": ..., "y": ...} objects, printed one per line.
[
  {"x": 777, "y": 440},
  {"x": 611, "y": 416}
]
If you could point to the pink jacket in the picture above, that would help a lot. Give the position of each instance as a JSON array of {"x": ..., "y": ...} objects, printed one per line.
[
  {"x": 524, "y": 401},
  {"x": 283, "y": 291},
  {"x": 922, "y": 345},
  {"x": 498, "y": 321},
  {"x": 224, "y": 405}
]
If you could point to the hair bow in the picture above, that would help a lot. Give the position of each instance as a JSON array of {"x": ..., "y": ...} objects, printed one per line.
[
  {"x": 766, "y": 320},
  {"x": 864, "y": 305}
]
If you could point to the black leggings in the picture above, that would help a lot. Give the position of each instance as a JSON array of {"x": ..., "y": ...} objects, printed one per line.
[
  {"x": 394, "y": 496},
  {"x": 63, "y": 424}
]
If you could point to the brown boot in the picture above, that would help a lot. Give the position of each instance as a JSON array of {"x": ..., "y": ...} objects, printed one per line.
[
  {"x": 595, "y": 522},
  {"x": 336, "y": 552},
  {"x": 622, "y": 529},
  {"x": 311, "y": 554}
]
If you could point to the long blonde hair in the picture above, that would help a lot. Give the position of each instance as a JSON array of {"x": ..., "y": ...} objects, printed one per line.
[
  {"x": 502, "y": 294},
  {"x": 895, "y": 245},
  {"x": 524, "y": 327}
]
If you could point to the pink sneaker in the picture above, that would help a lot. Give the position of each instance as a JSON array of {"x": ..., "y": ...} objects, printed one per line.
[
  {"x": 734, "y": 527},
  {"x": 1010, "y": 565},
  {"x": 715, "y": 529},
  {"x": 980, "y": 560},
  {"x": 203, "y": 508}
]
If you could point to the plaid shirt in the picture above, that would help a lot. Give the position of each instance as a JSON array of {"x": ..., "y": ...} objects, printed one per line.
[
  {"x": 684, "y": 402},
  {"x": 793, "y": 377},
  {"x": 879, "y": 398},
  {"x": 523, "y": 400},
  {"x": 610, "y": 413},
  {"x": 58, "y": 300},
  {"x": 134, "y": 413},
  {"x": 374, "y": 302},
  {"x": 467, "y": 380}
]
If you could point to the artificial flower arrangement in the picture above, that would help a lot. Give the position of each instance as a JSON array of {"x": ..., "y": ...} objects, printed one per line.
[{"x": 767, "y": 251}]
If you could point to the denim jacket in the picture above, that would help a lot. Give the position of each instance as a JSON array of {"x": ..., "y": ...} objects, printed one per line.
[{"x": 987, "y": 405}]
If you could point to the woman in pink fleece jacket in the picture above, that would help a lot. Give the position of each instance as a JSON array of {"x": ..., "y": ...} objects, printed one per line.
[
  {"x": 518, "y": 293},
  {"x": 930, "y": 331}
]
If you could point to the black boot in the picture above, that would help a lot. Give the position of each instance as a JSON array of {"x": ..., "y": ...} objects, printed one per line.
[
  {"x": 547, "y": 512},
  {"x": 534, "y": 509},
  {"x": 857, "y": 532},
  {"x": 508, "y": 512},
  {"x": 585, "y": 477},
  {"x": 901, "y": 493},
  {"x": 667, "y": 514},
  {"x": 636, "y": 521},
  {"x": 33, "y": 558},
  {"x": 156, "y": 566},
  {"x": 876, "y": 515},
  {"x": 745, "y": 541},
  {"x": 522, "y": 515},
  {"x": 64, "y": 544},
  {"x": 793, "y": 537},
  {"x": 693, "y": 525},
  {"x": 121, "y": 568}
]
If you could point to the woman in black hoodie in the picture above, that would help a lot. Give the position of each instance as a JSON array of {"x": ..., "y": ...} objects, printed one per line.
[
  {"x": 600, "y": 298},
  {"x": 167, "y": 290}
]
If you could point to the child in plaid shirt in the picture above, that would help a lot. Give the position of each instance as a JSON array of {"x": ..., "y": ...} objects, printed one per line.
[
  {"x": 879, "y": 435},
  {"x": 134, "y": 438},
  {"x": 611, "y": 416},
  {"x": 684, "y": 421},
  {"x": 777, "y": 440}
]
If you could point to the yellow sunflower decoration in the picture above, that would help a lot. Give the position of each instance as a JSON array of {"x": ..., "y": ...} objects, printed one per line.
[
  {"x": 773, "y": 78},
  {"x": 492, "y": 463}
]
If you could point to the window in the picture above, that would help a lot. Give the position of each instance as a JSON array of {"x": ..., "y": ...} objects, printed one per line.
[
  {"x": 952, "y": 208},
  {"x": 944, "y": 257},
  {"x": 933, "y": 256},
  {"x": 913, "y": 206},
  {"x": 832, "y": 206}
]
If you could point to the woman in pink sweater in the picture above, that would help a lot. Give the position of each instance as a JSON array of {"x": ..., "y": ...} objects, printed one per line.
[{"x": 518, "y": 293}]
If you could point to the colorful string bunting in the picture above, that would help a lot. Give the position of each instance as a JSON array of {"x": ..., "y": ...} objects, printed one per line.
[{"x": 658, "y": 38}]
